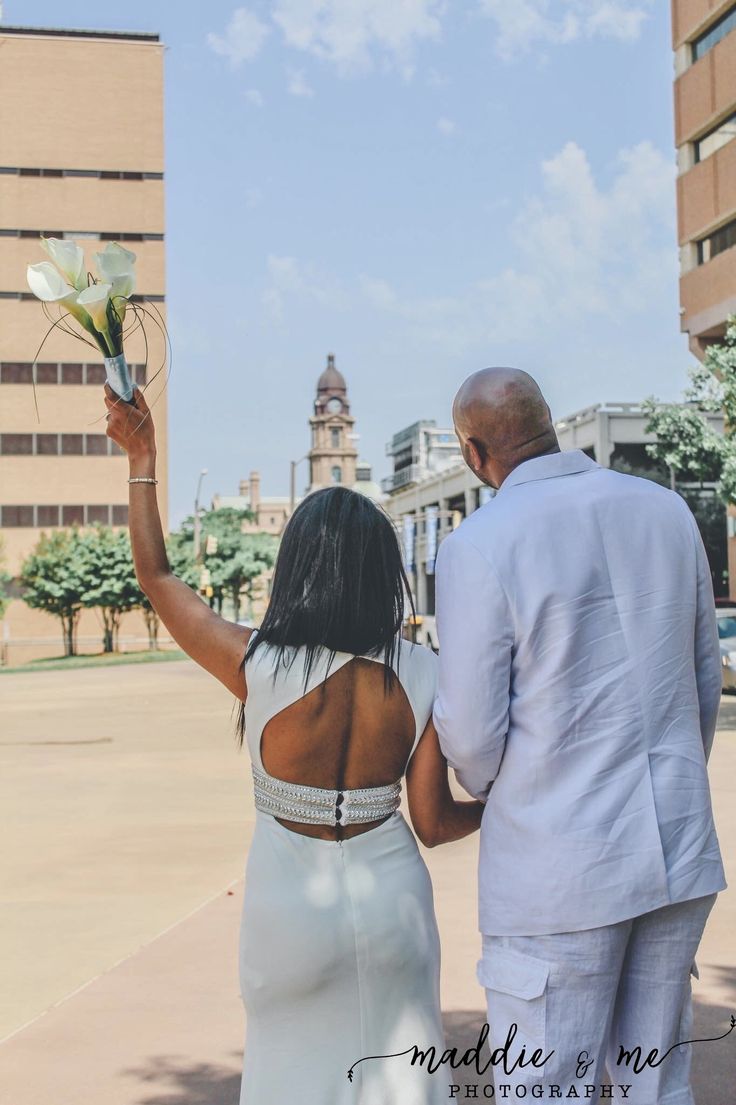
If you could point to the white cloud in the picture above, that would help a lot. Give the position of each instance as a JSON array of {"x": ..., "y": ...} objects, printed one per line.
[
  {"x": 243, "y": 37},
  {"x": 298, "y": 84},
  {"x": 586, "y": 255},
  {"x": 523, "y": 24},
  {"x": 254, "y": 97},
  {"x": 353, "y": 34},
  {"x": 289, "y": 278},
  {"x": 445, "y": 125}
]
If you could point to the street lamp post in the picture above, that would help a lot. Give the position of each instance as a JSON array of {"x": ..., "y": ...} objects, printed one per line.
[
  {"x": 292, "y": 482},
  {"x": 197, "y": 523}
]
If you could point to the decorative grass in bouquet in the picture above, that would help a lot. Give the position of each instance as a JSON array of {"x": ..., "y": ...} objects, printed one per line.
[{"x": 100, "y": 304}]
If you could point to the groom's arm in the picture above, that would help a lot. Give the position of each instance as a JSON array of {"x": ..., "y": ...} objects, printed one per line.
[{"x": 471, "y": 712}]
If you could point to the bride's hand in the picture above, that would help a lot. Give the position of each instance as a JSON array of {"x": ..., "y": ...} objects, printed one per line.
[{"x": 130, "y": 427}]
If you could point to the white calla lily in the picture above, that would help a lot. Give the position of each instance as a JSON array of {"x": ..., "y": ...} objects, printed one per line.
[
  {"x": 121, "y": 291},
  {"x": 68, "y": 258},
  {"x": 115, "y": 261},
  {"x": 95, "y": 299},
  {"x": 47, "y": 284}
]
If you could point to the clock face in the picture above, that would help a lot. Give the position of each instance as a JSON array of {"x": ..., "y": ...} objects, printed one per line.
[{"x": 334, "y": 405}]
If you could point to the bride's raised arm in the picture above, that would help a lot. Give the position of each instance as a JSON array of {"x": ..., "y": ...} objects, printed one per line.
[{"x": 213, "y": 642}]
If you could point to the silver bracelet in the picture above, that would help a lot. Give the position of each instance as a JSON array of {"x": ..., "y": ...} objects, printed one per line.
[{"x": 142, "y": 479}]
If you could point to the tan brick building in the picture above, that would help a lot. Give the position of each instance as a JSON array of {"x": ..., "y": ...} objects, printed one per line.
[
  {"x": 81, "y": 157},
  {"x": 704, "y": 41}
]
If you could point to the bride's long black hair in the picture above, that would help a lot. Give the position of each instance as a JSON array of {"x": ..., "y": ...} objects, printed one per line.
[{"x": 339, "y": 583}]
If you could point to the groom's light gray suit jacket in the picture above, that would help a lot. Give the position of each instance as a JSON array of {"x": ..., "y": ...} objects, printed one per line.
[{"x": 579, "y": 684}]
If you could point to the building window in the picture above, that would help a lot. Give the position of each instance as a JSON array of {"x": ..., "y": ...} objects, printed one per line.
[
  {"x": 99, "y": 174},
  {"x": 715, "y": 138},
  {"x": 337, "y": 474},
  {"x": 717, "y": 242},
  {"x": 47, "y": 515},
  {"x": 47, "y": 445},
  {"x": 95, "y": 374},
  {"x": 47, "y": 373},
  {"x": 16, "y": 445},
  {"x": 335, "y": 435},
  {"x": 90, "y": 235},
  {"x": 72, "y": 373},
  {"x": 714, "y": 34},
  {"x": 96, "y": 445},
  {"x": 12, "y": 372},
  {"x": 16, "y": 516},
  {"x": 51, "y": 514}
]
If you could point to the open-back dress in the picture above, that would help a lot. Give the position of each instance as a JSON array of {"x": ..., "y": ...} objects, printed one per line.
[{"x": 339, "y": 948}]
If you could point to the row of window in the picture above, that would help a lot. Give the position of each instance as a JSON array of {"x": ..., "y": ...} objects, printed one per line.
[
  {"x": 58, "y": 445},
  {"x": 88, "y": 235},
  {"x": 98, "y": 174},
  {"x": 717, "y": 31},
  {"x": 134, "y": 298},
  {"x": 720, "y": 240},
  {"x": 66, "y": 515},
  {"x": 21, "y": 372},
  {"x": 715, "y": 138}
]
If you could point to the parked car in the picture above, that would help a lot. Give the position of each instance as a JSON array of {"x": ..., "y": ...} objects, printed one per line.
[{"x": 727, "y": 634}]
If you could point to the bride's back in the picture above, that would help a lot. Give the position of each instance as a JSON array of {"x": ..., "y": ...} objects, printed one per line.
[{"x": 345, "y": 733}]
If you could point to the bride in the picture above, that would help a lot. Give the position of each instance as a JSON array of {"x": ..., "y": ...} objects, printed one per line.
[{"x": 339, "y": 948}]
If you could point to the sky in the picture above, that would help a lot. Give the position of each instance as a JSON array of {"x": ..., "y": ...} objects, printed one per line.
[{"x": 421, "y": 187}]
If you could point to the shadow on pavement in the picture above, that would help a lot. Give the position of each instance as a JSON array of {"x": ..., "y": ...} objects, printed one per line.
[
  {"x": 170, "y": 1080},
  {"x": 714, "y": 1064}
]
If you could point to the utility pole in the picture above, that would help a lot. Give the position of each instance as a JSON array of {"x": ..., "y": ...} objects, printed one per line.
[{"x": 197, "y": 522}]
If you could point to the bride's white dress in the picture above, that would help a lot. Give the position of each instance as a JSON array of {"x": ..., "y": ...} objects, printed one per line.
[{"x": 339, "y": 949}]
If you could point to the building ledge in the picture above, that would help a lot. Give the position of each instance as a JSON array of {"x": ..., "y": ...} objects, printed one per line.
[{"x": 62, "y": 32}]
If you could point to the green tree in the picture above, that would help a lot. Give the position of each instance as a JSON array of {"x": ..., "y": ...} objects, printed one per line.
[
  {"x": 53, "y": 577},
  {"x": 110, "y": 581},
  {"x": 686, "y": 443},
  {"x": 240, "y": 558},
  {"x": 5, "y": 579}
]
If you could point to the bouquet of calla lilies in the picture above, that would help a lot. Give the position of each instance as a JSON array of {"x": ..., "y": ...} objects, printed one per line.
[{"x": 97, "y": 303}]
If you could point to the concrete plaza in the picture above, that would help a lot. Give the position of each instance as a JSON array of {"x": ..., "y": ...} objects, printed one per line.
[{"x": 128, "y": 813}]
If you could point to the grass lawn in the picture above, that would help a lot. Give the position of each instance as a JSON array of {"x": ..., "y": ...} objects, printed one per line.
[{"x": 97, "y": 660}]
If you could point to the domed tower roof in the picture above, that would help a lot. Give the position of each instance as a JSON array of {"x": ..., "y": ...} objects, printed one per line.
[{"x": 331, "y": 379}]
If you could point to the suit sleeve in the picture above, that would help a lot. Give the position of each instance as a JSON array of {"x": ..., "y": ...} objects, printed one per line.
[
  {"x": 708, "y": 670},
  {"x": 474, "y": 628}
]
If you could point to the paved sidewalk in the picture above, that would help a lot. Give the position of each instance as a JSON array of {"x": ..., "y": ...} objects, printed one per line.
[{"x": 164, "y": 1024}]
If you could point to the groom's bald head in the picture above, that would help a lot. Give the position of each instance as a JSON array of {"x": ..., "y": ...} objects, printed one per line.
[{"x": 502, "y": 419}]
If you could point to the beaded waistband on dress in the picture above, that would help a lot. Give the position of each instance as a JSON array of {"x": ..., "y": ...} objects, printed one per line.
[{"x": 317, "y": 805}]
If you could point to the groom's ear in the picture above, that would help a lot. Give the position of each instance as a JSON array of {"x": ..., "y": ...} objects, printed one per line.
[{"x": 476, "y": 454}]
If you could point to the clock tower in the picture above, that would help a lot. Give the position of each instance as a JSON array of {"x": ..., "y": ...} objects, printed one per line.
[{"x": 332, "y": 457}]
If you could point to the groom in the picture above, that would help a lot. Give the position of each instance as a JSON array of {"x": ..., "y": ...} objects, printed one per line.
[{"x": 579, "y": 686}]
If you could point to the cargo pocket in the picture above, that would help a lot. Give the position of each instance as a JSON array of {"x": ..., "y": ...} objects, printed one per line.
[{"x": 516, "y": 986}]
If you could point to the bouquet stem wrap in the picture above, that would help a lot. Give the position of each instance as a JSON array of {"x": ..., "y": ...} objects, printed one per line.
[{"x": 118, "y": 377}]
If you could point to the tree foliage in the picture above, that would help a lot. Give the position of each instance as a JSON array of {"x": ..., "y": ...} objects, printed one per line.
[
  {"x": 240, "y": 558},
  {"x": 5, "y": 579},
  {"x": 109, "y": 580},
  {"x": 53, "y": 579},
  {"x": 686, "y": 442}
]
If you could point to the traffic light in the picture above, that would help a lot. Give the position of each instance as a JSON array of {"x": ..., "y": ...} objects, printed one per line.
[{"x": 210, "y": 545}]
